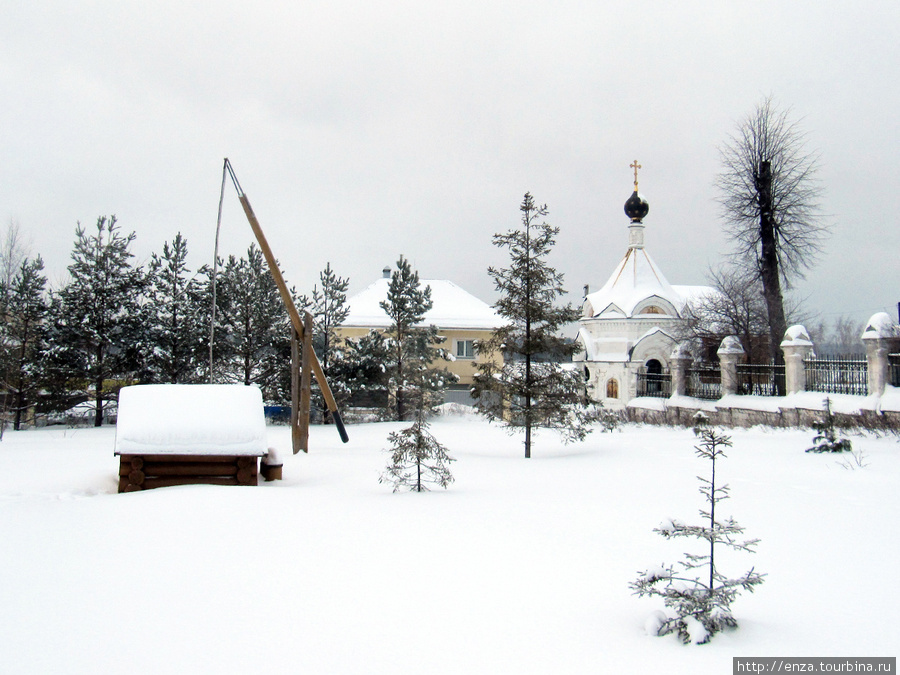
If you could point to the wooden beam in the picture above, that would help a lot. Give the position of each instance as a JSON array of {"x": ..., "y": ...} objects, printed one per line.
[{"x": 292, "y": 312}]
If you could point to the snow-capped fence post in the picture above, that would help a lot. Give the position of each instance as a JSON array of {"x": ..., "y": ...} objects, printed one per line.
[
  {"x": 877, "y": 338},
  {"x": 797, "y": 347},
  {"x": 680, "y": 360},
  {"x": 729, "y": 353}
]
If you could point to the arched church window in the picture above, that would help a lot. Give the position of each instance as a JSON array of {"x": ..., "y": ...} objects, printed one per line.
[
  {"x": 651, "y": 309},
  {"x": 612, "y": 388}
]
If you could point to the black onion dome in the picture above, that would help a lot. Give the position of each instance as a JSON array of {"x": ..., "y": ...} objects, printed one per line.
[{"x": 636, "y": 207}]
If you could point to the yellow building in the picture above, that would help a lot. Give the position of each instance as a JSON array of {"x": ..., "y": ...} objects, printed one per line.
[{"x": 460, "y": 317}]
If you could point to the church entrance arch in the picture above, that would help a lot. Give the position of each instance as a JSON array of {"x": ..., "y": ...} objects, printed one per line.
[{"x": 654, "y": 370}]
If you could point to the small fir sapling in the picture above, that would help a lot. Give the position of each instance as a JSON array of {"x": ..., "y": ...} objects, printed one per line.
[
  {"x": 826, "y": 438},
  {"x": 417, "y": 459},
  {"x": 696, "y": 592}
]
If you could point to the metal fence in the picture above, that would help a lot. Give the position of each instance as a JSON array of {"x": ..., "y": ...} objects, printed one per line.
[
  {"x": 894, "y": 370},
  {"x": 654, "y": 385},
  {"x": 703, "y": 381},
  {"x": 837, "y": 375},
  {"x": 760, "y": 379}
]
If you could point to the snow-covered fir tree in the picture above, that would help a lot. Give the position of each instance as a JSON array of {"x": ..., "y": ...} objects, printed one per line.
[
  {"x": 414, "y": 383},
  {"x": 23, "y": 309},
  {"x": 177, "y": 316},
  {"x": 417, "y": 458},
  {"x": 253, "y": 331},
  {"x": 362, "y": 369},
  {"x": 329, "y": 309},
  {"x": 96, "y": 328},
  {"x": 530, "y": 388},
  {"x": 826, "y": 438},
  {"x": 697, "y": 593}
]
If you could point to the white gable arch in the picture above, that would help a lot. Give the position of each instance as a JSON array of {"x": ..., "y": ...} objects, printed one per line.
[
  {"x": 655, "y": 344},
  {"x": 655, "y": 305},
  {"x": 611, "y": 308}
]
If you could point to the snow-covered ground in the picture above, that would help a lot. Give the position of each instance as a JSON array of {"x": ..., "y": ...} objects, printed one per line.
[{"x": 522, "y": 566}]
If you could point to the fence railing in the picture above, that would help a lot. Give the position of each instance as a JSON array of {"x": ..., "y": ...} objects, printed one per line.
[
  {"x": 894, "y": 370},
  {"x": 703, "y": 381},
  {"x": 837, "y": 375},
  {"x": 760, "y": 379},
  {"x": 654, "y": 385}
]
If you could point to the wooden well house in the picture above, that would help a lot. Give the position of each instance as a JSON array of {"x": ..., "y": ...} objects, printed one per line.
[{"x": 184, "y": 434}]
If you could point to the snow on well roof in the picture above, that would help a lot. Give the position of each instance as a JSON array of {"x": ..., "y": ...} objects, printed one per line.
[
  {"x": 637, "y": 278},
  {"x": 191, "y": 419},
  {"x": 452, "y": 307}
]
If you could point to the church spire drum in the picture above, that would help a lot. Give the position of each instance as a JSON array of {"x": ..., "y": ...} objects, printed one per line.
[{"x": 636, "y": 208}]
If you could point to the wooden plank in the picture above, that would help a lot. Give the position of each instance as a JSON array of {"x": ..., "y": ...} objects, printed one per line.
[
  {"x": 295, "y": 391},
  {"x": 190, "y": 469},
  {"x": 305, "y": 383},
  {"x": 150, "y": 483}
]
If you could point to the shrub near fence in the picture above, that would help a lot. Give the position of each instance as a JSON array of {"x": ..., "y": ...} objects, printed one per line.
[{"x": 837, "y": 375}]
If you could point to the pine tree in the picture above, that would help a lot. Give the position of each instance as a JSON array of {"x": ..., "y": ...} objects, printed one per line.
[
  {"x": 176, "y": 316},
  {"x": 530, "y": 389},
  {"x": 826, "y": 438},
  {"x": 698, "y": 594},
  {"x": 414, "y": 383},
  {"x": 329, "y": 309},
  {"x": 361, "y": 368},
  {"x": 23, "y": 309},
  {"x": 253, "y": 332},
  {"x": 97, "y": 325},
  {"x": 417, "y": 458}
]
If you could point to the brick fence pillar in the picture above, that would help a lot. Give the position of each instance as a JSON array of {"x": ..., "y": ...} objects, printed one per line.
[
  {"x": 797, "y": 347},
  {"x": 729, "y": 353},
  {"x": 680, "y": 360},
  {"x": 878, "y": 337}
]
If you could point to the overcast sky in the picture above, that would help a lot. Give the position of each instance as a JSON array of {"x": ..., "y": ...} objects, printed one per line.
[{"x": 363, "y": 130}]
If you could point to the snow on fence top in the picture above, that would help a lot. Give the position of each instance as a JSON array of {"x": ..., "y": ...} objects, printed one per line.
[{"x": 191, "y": 419}]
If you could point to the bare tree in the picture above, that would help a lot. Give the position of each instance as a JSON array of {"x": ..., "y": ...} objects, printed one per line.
[
  {"x": 846, "y": 335},
  {"x": 14, "y": 249},
  {"x": 734, "y": 307},
  {"x": 770, "y": 200}
]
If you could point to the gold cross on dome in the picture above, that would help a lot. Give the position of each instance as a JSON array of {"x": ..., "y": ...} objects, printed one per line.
[{"x": 634, "y": 165}]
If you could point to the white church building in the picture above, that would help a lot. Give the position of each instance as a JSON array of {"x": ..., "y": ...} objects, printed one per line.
[{"x": 628, "y": 327}]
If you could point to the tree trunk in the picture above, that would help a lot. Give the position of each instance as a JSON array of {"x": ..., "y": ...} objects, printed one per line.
[
  {"x": 528, "y": 406},
  {"x": 98, "y": 402},
  {"x": 98, "y": 389},
  {"x": 418, "y": 474},
  {"x": 401, "y": 407},
  {"x": 768, "y": 266}
]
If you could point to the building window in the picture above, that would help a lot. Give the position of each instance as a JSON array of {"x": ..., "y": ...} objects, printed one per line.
[
  {"x": 612, "y": 388},
  {"x": 465, "y": 349}
]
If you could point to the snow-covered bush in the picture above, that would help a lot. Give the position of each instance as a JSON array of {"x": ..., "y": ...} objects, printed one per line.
[
  {"x": 697, "y": 594},
  {"x": 608, "y": 420},
  {"x": 417, "y": 458},
  {"x": 826, "y": 438}
]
